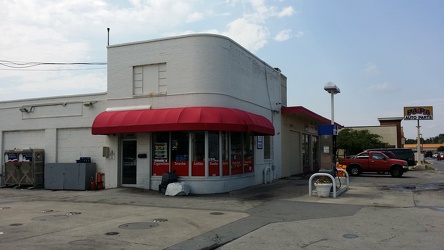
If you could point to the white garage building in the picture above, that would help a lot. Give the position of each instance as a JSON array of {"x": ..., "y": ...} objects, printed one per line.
[{"x": 198, "y": 105}]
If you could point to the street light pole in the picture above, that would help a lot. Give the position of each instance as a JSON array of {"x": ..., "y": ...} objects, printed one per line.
[
  {"x": 332, "y": 108},
  {"x": 332, "y": 89},
  {"x": 418, "y": 148}
]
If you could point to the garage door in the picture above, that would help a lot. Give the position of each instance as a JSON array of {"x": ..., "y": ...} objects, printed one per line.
[{"x": 24, "y": 139}]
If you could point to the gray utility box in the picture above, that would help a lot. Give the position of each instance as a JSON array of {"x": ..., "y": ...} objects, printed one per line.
[{"x": 69, "y": 176}]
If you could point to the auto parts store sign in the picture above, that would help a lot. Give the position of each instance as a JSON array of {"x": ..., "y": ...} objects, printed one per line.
[{"x": 418, "y": 113}]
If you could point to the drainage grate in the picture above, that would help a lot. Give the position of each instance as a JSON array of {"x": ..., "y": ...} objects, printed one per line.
[
  {"x": 413, "y": 187},
  {"x": 5, "y": 207},
  {"x": 216, "y": 213},
  {"x": 138, "y": 225},
  {"x": 15, "y": 224},
  {"x": 160, "y": 220},
  {"x": 73, "y": 213},
  {"x": 50, "y": 217},
  {"x": 89, "y": 243},
  {"x": 112, "y": 233},
  {"x": 431, "y": 186},
  {"x": 350, "y": 236}
]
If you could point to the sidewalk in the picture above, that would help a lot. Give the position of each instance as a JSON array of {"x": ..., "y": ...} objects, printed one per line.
[
  {"x": 279, "y": 215},
  {"x": 405, "y": 216}
]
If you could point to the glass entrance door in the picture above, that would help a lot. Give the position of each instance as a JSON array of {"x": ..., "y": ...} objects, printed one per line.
[{"x": 129, "y": 162}]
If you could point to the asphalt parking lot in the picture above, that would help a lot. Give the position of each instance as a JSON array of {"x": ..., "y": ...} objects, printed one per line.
[{"x": 376, "y": 212}]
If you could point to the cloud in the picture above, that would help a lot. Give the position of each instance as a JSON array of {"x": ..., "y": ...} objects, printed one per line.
[
  {"x": 72, "y": 31},
  {"x": 79, "y": 22},
  {"x": 262, "y": 11},
  {"x": 286, "y": 34},
  {"x": 195, "y": 16},
  {"x": 252, "y": 29},
  {"x": 44, "y": 84},
  {"x": 382, "y": 87},
  {"x": 287, "y": 11},
  {"x": 283, "y": 35},
  {"x": 75, "y": 31},
  {"x": 249, "y": 34},
  {"x": 371, "y": 69}
]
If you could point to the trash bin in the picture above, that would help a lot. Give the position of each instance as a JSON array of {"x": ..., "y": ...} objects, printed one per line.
[{"x": 167, "y": 178}]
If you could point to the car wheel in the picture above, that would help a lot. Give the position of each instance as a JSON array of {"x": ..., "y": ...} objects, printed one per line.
[
  {"x": 396, "y": 172},
  {"x": 355, "y": 170}
]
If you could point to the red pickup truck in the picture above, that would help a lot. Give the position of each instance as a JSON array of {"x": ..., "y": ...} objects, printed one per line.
[{"x": 374, "y": 161}]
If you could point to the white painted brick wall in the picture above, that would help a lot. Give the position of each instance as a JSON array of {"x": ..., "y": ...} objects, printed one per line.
[
  {"x": 201, "y": 70},
  {"x": 73, "y": 143}
]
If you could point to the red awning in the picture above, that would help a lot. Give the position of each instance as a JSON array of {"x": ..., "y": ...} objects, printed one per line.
[
  {"x": 306, "y": 112},
  {"x": 175, "y": 119}
]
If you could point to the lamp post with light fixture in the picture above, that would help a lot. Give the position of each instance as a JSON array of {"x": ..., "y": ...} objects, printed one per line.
[
  {"x": 332, "y": 89},
  {"x": 418, "y": 149}
]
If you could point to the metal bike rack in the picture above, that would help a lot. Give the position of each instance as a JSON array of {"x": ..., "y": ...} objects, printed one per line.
[{"x": 336, "y": 192}]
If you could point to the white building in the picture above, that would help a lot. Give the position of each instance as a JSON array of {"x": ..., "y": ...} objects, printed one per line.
[{"x": 199, "y": 105}]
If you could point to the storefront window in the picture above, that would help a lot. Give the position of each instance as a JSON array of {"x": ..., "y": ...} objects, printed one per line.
[
  {"x": 160, "y": 153},
  {"x": 213, "y": 153},
  {"x": 179, "y": 152},
  {"x": 225, "y": 154},
  {"x": 236, "y": 153},
  {"x": 172, "y": 152},
  {"x": 248, "y": 153},
  {"x": 267, "y": 147},
  {"x": 306, "y": 151},
  {"x": 198, "y": 151},
  {"x": 315, "y": 149}
]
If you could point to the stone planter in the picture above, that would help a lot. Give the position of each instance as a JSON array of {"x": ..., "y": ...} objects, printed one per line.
[{"x": 323, "y": 189}]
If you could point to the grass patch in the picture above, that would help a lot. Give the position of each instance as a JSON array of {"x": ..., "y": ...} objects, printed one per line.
[{"x": 428, "y": 168}]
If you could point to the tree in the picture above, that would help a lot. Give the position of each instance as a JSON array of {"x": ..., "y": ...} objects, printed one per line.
[
  {"x": 440, "y": 148},
  {"x": 355, "y": 141},
  {"x": 410, "y": 141},
  {"x": 432, "y": 140}
]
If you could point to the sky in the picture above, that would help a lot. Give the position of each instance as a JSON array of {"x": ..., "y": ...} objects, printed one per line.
[{"x": 383, "y": 55}]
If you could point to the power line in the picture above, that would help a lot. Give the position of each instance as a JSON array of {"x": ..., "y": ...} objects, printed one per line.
[
  {"x": 23, "y": 65},
  {"x": 26, "y": 69}
]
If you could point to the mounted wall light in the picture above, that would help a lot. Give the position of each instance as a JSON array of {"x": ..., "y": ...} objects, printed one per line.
[
  {"x": 27, "y": 109},
  {"x": 30, "y": 109},
  {"x": 89, "y": 104},
  {"x": 24, "y": 110}
]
